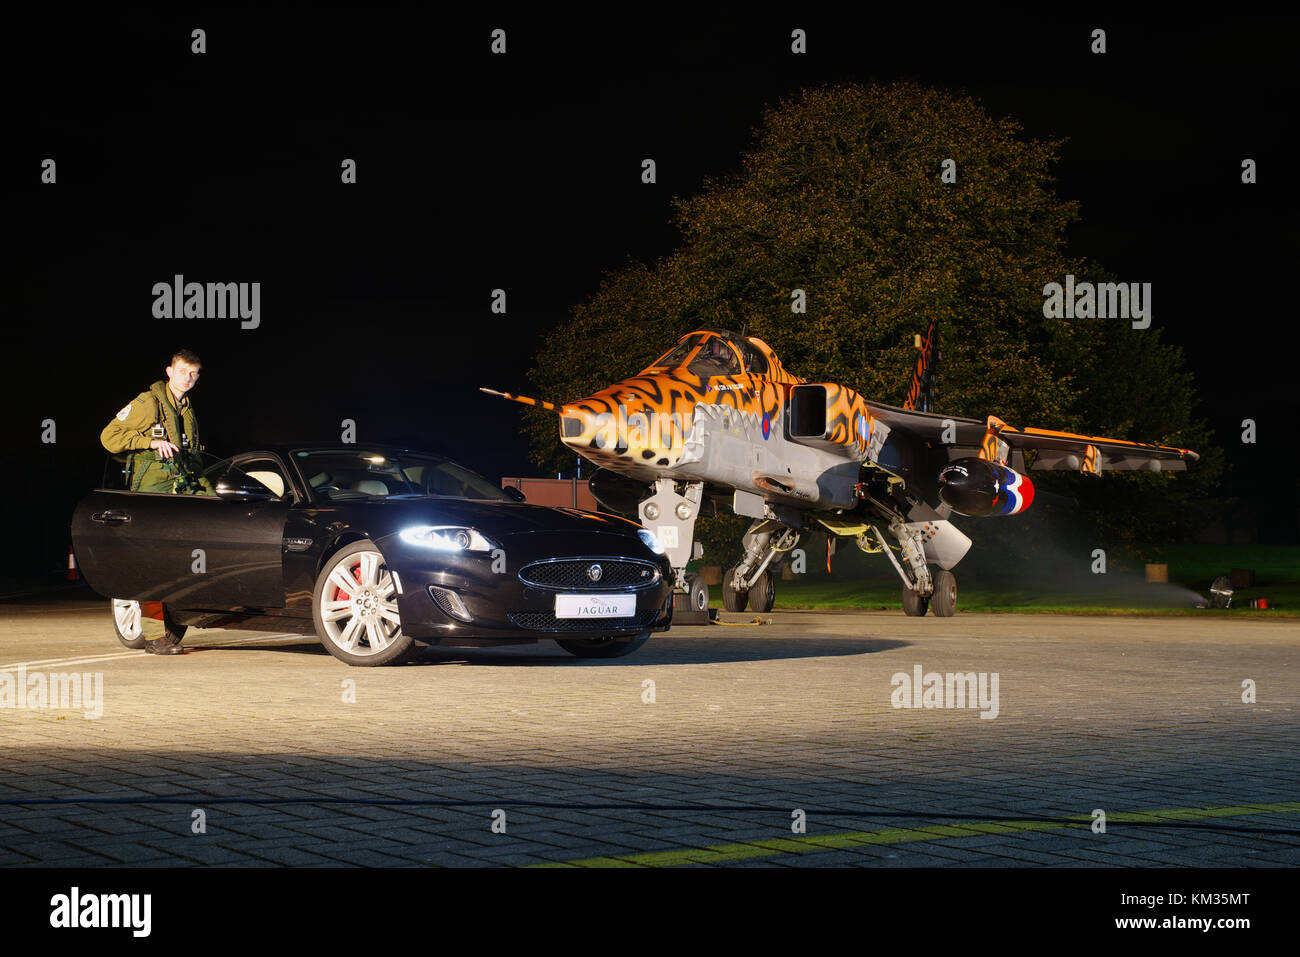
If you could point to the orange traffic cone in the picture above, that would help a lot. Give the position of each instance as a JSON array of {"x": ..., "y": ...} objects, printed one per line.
[{"x": 73, "y": 574}]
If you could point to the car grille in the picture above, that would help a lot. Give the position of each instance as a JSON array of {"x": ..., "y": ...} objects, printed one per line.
[
  {"x": 571, "y": 574},
  {"x": 546, "y": 621}
]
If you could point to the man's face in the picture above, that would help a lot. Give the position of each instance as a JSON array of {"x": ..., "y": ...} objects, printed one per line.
[{"x": 182, "y": 375}]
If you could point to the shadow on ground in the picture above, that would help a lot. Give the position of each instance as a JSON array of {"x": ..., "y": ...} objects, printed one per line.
[{"x": 659, "y": 650}]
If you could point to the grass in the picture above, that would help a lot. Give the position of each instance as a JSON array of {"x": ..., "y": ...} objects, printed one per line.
[
  {"x": 1124, "y": 592},
  {"x": 1276, "y": 563}
]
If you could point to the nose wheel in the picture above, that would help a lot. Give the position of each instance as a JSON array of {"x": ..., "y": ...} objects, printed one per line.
[{"x": 699, "y": 593}]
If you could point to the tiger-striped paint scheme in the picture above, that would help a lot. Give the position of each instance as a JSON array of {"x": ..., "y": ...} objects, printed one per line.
[
  {"x": 850, "y": 428},
  {"x": 787, "y": 439},
  {"x": 641, "y": 425},
  {"x": 718, "y": 416},
  {"x": 674, "y": 420}
]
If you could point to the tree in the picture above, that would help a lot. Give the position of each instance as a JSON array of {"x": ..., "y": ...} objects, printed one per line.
[{"x": 843, "y": 197}]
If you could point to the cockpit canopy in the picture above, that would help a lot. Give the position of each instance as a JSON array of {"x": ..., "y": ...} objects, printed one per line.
[{"x": 713, "y": 353}]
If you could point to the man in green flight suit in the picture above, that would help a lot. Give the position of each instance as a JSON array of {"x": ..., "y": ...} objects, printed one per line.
[{"x": 159, "y": 434}]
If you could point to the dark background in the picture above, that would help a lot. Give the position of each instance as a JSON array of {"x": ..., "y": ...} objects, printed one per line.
[{"x": 523, "y": 172}]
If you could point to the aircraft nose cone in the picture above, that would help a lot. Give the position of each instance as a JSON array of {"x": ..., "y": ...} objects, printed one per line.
[
  {"x": 571, "y": 427},
  {"x": 586, "y": 429},
  {"x": 616, "y": 427}
]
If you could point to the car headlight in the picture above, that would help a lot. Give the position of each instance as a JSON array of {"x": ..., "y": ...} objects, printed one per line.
[
  {"x": 447, "y": 538},
  {"x": 651, "y": 542}
]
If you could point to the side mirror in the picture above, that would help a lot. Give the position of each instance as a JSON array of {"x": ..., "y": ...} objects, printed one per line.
[
  {"x": 515, "y": 493},
  {"x": 237, "y": 486}
]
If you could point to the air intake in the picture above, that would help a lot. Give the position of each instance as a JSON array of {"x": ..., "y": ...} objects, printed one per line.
[{"x": 449, "y": 603}]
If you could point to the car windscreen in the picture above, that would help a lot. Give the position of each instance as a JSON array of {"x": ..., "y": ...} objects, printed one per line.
[{"x": 342, "y": 475}]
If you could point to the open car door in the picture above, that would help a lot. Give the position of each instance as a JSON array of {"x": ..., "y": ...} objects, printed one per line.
[{"x": 192, "y": 551}]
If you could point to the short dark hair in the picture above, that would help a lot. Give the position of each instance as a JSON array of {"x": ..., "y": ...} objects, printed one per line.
[{"x": 185, "y": 355}]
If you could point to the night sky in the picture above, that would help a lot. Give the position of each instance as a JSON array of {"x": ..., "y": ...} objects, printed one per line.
[{"x": 522, "y": 172}]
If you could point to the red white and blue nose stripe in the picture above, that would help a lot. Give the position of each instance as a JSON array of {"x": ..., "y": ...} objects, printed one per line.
[
  {"x": 978, "y": 487},
  {"x": 1015, "y": 491}
]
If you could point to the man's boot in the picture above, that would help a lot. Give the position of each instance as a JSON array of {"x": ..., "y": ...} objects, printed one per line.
[
  {"x": 156, "y": 619},
  {"x": 166, "y": 645}
]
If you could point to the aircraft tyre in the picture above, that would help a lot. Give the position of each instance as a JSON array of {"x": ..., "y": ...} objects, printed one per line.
[
  {"x": 699, "y": 592},
  {"x": 944, "y": 599},
  {"x": 914, "y": 606},
  {"x": 732, "y": 600},
  {"x": 762, "y": 594}
]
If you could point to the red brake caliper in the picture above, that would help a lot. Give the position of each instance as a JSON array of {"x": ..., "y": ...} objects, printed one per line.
[{"x": 339, "y": 593}]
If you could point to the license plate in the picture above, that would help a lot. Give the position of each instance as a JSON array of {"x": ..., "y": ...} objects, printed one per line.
[{"x": 595, "y": 606}]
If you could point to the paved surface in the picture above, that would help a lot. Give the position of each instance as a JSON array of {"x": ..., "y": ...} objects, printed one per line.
[{"x": 747, "y": 724}]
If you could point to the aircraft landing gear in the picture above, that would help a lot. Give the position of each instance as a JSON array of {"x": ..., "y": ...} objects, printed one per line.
[
  {"x": 671, "y": 517},
  {"x": 922, "y": 590},
  {"x": 914, "y": 606},
  {"x": 733, "y": 598},
  {"x": 944, "y": 599},
  {"x": 753, "y": 582},
  {"x": 762, "y": 594},
  {"x": 943, "y": 602},
  {"x": 697, "y": 591}
]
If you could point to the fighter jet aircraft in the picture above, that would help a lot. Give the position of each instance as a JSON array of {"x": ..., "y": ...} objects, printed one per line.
[{"x": 718, "y": 423}]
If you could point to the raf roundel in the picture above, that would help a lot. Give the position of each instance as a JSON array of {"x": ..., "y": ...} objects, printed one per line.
[{"x": 767, "y": 425}]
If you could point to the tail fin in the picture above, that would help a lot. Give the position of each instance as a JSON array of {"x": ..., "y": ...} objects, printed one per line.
[{"x": 920, "y": 393}]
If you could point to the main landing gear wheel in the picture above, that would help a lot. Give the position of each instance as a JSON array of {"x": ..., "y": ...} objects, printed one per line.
[
  {"x": 762, "y": 594},
  {"x": 699, "y": 593},
  {"x": 127, "y": 623},
  {"x": 611, "y": 647},
  {"x": 914, "y": 606},
  {"x": 944, "y": 599},
  {"x": 354, "y": 606},
  {"x": 732, "y": 600}
]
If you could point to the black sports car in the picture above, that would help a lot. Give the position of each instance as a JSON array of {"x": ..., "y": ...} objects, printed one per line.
[{"x": 372, "y": 549}]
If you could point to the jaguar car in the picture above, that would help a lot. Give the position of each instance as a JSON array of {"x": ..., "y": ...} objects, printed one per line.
[{"x": 374, "y": 550}]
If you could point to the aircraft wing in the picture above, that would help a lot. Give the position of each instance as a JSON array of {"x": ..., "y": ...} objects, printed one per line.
[{"x": 1054, "y": 450}]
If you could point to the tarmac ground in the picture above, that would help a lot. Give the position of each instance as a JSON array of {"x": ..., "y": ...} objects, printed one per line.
[{"x": 806, "y": 741}]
